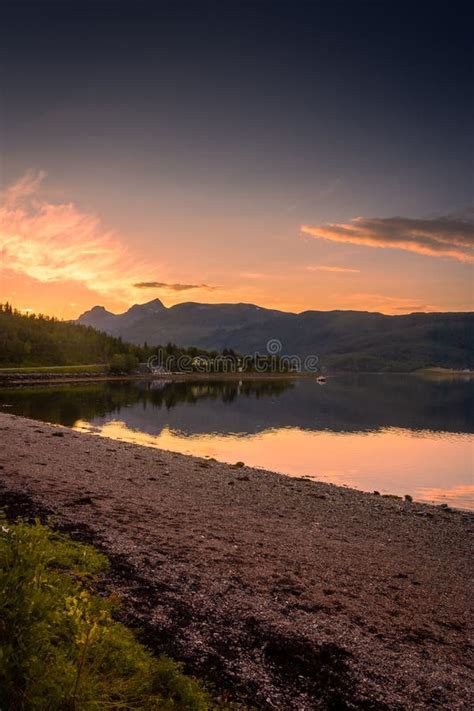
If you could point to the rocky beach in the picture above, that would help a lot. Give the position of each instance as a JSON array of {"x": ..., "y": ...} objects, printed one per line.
[{"x": 288, "y": 593}]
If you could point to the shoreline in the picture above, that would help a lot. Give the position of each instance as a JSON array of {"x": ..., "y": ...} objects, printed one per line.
[
  {"x": 293, "y": 593},
  {"x": 51, "y": 378}
]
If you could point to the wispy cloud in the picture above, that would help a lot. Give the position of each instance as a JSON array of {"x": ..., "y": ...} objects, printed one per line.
[
  {"x": 58, "y": 242},
  {"x": 27, "y": 185},
  {"x": 324, "y": 268},
  {"x": 386, "y": 303},
  {"x": 173, "y": 287},
  {"x": 254, "y": 275},
  {"x": 441, "y": 237}
]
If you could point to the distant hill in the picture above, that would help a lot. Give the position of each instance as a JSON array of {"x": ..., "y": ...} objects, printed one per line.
[
  {"x": 28, "y": 340},
  {"x": 184, "y": 324},
  {"x": 345, "y": 340}
]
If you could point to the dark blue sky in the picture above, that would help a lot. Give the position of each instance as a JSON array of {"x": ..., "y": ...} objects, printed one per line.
[{"x": 274, "y": 91}]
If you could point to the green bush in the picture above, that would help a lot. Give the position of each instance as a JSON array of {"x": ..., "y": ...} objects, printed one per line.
[
  {"x": 59, "y": 645},
  {"x": 123, "y": 363}
]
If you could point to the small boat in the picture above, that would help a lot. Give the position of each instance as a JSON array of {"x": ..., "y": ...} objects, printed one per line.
[{"x": 321, "y": 379}]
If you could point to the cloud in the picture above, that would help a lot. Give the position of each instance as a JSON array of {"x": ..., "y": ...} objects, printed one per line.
[
  {"x": 173, "y": 287},
  {"x": 254, "y": 275},
  {"x": 25, "y": 186},
  {"x": 58, "y": 242},
  {"x": 384, "y": 303},
  {"x": 451, "y": 237},
  {"x": 323, "y": 268},
  {"x": 413, "y": 308}
]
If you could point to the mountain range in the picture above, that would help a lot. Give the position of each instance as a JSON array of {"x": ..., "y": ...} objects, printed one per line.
[{"x": 347, "y": 340}]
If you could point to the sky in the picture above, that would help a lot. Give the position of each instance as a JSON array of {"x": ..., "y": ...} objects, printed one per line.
[{"x": 297, "y": 155}]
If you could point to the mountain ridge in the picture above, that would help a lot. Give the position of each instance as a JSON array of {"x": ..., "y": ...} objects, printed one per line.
[{"x": 360, "y": 340}]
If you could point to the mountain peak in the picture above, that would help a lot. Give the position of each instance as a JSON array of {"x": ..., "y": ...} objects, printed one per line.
[
  {"x": 154, "y": 304},
  {"x": 149, "y": 307},
  {"x": 98, "y": 317},
  {"x": 98, "y": 310}
]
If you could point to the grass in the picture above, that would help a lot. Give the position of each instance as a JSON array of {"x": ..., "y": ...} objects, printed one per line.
[
  {"x": 66, "y": 369},
  {"x": 60, "y": 647}
]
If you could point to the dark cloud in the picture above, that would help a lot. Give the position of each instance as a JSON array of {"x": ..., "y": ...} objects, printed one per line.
[
  {"x": 413, "y": 308},
  {"x": 172, "y": 287},
  {"x": 451, "y": 237}
]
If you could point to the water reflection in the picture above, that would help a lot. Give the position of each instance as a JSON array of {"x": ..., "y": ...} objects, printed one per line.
[{"x": 400, "y": 434}]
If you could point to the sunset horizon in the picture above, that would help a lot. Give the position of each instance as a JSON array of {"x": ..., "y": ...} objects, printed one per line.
[
  {"x": 189, "y": 167},
  {"x": 58, "y": 252}
]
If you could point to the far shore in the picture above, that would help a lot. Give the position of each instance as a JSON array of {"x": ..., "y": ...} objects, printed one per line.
[
  {"x": 59, "y": 375},
  {"x": 288, "y": 592},
  {"x": 7, "y": 379},
  {"x": 446, "y": 371}
]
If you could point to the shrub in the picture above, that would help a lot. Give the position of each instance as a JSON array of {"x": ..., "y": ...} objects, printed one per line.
[
  {"x": 60, "y": 648},
  {"x": 123, "y": 363}
]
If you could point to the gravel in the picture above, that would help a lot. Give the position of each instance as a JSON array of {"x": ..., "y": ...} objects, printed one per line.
[{"x": 292, "y": 593}]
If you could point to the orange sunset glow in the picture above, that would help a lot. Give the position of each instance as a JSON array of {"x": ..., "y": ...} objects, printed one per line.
[
  {"x": 61, "y": 259},
  {"x": 384, "y": 460}
]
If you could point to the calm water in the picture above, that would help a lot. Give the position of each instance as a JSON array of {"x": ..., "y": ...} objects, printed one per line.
[{"x": 396, "y": 434}]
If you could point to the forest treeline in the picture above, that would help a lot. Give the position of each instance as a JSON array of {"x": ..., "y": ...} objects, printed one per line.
[{"x": 29, "y": 340}]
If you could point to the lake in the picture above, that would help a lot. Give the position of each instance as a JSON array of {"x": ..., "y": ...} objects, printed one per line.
[{"x": 391, "y": 433}]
